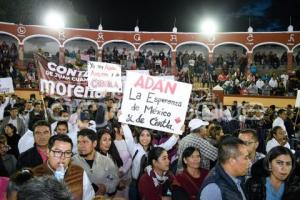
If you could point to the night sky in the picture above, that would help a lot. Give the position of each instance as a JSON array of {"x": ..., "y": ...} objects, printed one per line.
[{"x": 155, "y": 15}]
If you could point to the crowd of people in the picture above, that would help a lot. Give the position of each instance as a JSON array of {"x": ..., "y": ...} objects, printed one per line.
[
  {"x": 232, "y": 72},
  {"x": 240, "y": 152}
]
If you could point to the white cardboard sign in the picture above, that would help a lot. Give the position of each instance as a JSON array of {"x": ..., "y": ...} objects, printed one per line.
[
  {"x": 6, "y": 86},
  {"x": 155, "y": 103},
  {"x": 104, "y": 77}
]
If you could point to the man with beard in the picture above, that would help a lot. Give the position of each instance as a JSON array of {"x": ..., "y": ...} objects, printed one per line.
[{"x": 99, "y": 168}]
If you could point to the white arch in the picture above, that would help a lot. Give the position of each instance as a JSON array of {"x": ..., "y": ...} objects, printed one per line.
[
  {"x": 80, "y": 38},
  {"x": 40, "y": 35},
  {"x": 224, "y": 43},
  {"x": 193, "y": 42},
  {"x": 295, "y": 47},
  {"x": 266, "y": 43},
  {"x": 122, "y": 41},
  {"x": 6, "y": 33},
  {"x": 155, "y": 41}
]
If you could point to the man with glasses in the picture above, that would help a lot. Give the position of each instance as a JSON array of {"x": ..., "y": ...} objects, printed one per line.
[
  {"x": 37, "y": 154},
  {"x": 59, "y": 153},
  {"x": 249, "y": 137}
]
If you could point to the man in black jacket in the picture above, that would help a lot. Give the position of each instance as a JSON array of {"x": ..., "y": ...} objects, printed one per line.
[
  {"x": 223, "y": 180},
  {"x": 37, "y": 154}
]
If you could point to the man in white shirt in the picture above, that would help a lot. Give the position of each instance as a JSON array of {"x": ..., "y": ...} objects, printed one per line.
[{"x": 279, "y": 121}]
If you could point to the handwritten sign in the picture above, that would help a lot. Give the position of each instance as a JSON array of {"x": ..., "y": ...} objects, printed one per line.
[
  {"x": 154, "y": 103},
  {"x": 6, "y": 86},
  {"x": 104, "y": 77}
]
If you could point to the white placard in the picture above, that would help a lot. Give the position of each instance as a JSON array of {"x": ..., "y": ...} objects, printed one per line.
[
  {"x": 151, "y": 102},
  {"x": 6, "y": 86},
  {"x": 297, "y": 104},
  {"x": 104, "y": 77}
]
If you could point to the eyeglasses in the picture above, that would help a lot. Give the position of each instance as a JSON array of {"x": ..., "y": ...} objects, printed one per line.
[{"x": 59, "y": 154}]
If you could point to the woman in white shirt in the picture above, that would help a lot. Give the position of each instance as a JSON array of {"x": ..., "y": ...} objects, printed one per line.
[{"x": 139, "y": 151}]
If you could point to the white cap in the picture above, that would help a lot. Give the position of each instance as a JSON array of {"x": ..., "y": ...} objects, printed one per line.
[{"x": 197, "y": 123}]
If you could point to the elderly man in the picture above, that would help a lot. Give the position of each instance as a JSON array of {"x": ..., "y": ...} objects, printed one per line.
[
  {"x": 59, "y": 155},
  {"x": 197, "y": 138},
  {"x": 223, "y": 183}
]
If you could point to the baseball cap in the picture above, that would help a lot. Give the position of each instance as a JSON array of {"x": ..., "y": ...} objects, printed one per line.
[{"x": 197, "y": 123}]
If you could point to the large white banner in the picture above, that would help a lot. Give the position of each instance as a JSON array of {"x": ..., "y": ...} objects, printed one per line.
[
  {"x": 104, "y": 77},
  {"x": 154, "y": 103},
  {"x": 6, "y": 86}
]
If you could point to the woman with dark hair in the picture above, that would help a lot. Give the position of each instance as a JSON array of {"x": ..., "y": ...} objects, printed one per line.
[
  {"x": 215, "y": 135},
  {"x": 191, "y": 178},
  {"x": 270, "y": 175},
  {"x": 139, "y": 152},
  {"x": 16, "y": 181},
  {"x": 155, "y": 183},
  {"x": 8, "y": 162},
  {"x": 107, "y": 147},
  {"x": 277, "y": 137},
  {"x": 13, "y": 138}
]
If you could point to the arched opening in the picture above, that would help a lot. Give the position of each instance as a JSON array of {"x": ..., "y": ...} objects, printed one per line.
[
  {"x": 191, "y": 62},
  {"x": 120, "y": 53},
  {"x": 9, "y": 48},
  {"x": 9, "y": 51},
  {"x": 79, "y": 51},
  {"x": 296, "y": 57},
  {"x": 270, "y": 57},
  {"x": 48, "y": 47},
  {"x": 155, "y": 57},
  {"x": 229, "y": 57}
]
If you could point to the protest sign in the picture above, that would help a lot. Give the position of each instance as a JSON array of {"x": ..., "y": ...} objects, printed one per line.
[
  {"x": 6, "y": 86},
  {"x": 154, "y": 103},
  {"x": 63, "y": 81},
  {"x": 104, "y": 77}
]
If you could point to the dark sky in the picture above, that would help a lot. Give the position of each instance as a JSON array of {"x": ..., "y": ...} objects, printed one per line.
[{"x": 158, "y": 15}]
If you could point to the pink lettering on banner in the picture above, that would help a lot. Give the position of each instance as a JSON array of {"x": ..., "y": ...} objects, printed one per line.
[
  {"x": 161, "y": 86},
  {"x": 110, "y": 68}
]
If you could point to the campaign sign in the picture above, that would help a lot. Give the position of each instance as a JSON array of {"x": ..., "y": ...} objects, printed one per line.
[
  {"x": 6, "y": 86},
  {"x": 104, "y": 77},
  {"x": 155, "y": 103}
]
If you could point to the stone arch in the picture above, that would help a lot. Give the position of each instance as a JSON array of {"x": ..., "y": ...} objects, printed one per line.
[
  {"x": 15, "y": 37},
  {"x": 193, "y": 42}
]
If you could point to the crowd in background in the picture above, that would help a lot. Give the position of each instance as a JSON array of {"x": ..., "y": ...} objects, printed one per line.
[{"x": 232, "y": 72}]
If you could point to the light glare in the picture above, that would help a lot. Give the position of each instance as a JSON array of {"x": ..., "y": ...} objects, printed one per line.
[
  {"x": 209, "y": 27},
  {"x": 54, "y": 20}
]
